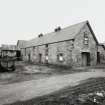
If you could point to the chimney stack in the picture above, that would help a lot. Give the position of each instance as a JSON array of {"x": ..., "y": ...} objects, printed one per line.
[{"x": 57, "y": 29}]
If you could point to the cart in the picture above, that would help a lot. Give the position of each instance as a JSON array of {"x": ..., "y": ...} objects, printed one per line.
[{"x": 7, "y": 63}]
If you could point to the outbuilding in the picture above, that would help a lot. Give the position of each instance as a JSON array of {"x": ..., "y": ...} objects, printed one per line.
[
  {"x": 101, "y": 54},
  {"x": 75, "y": 45}
]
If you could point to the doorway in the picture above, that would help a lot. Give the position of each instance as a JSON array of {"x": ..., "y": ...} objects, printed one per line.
[
  {"x": 29, "y": 57},
  {"x": 85, "y": 58},
  {"x": 98, "y": 57},
  {"x": 40, "y": 58},
  {"x": 18, "y": 55}
]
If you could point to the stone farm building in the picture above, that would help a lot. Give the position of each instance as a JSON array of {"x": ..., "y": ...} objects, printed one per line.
[{"x": 75, "y": 45}]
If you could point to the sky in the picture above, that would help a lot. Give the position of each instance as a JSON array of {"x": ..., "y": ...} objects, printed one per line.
[{"x": 25, "y": 19}]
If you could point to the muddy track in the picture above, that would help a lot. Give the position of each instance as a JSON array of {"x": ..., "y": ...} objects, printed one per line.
[{"x": 68, "y": 96}]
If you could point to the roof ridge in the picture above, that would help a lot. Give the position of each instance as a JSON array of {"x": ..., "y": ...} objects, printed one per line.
[
  {"x": 61, "y": 29},
  {"x": 64, "y": 34}
]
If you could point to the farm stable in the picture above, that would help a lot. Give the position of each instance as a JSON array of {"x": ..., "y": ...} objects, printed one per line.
[{"x": 75, "y": 45}]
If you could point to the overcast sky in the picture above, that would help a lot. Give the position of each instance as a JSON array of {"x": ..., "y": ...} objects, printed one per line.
[{"x": 25, "y": 19}]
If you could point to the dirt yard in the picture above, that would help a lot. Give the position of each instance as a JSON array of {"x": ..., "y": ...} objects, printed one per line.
[
  {"x": 32, "y": 81},
  {"x": 27, "y": 72},
  {"x": 34, "y": 88}
]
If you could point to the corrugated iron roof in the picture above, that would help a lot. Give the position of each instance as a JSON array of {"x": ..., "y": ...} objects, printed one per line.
[{"x": 9, "y": 47}]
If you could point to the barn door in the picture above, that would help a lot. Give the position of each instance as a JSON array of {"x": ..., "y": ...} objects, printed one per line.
[
  {"x": 29, "y": 58},
  {"x": 40, "y": 58},
  {"x": 98, "y": 57},
  {"x": 85, "y": 59}
]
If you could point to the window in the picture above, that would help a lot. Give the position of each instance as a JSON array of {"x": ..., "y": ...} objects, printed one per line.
[
  {"x": 46, "y": 57},
  {"x": 33, "y": 47},
  {"x": 60, "y": 57},
  {"x": 72, "y": 44},
  {"x": 46, "y": 45},
  {"x": 86, "y": 39}
]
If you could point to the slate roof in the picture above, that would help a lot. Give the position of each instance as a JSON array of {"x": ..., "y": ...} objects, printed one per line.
[
  {"x": 21, "y": 43},
  {"x": 62, "y": 35}
]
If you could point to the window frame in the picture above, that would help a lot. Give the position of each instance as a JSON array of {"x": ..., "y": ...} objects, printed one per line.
[
  {"x": 86, "y": 38},
  {"x": 60, "y": 55}
]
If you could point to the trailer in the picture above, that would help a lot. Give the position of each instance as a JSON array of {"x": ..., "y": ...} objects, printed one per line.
[{"x": 9, "y": 54}]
